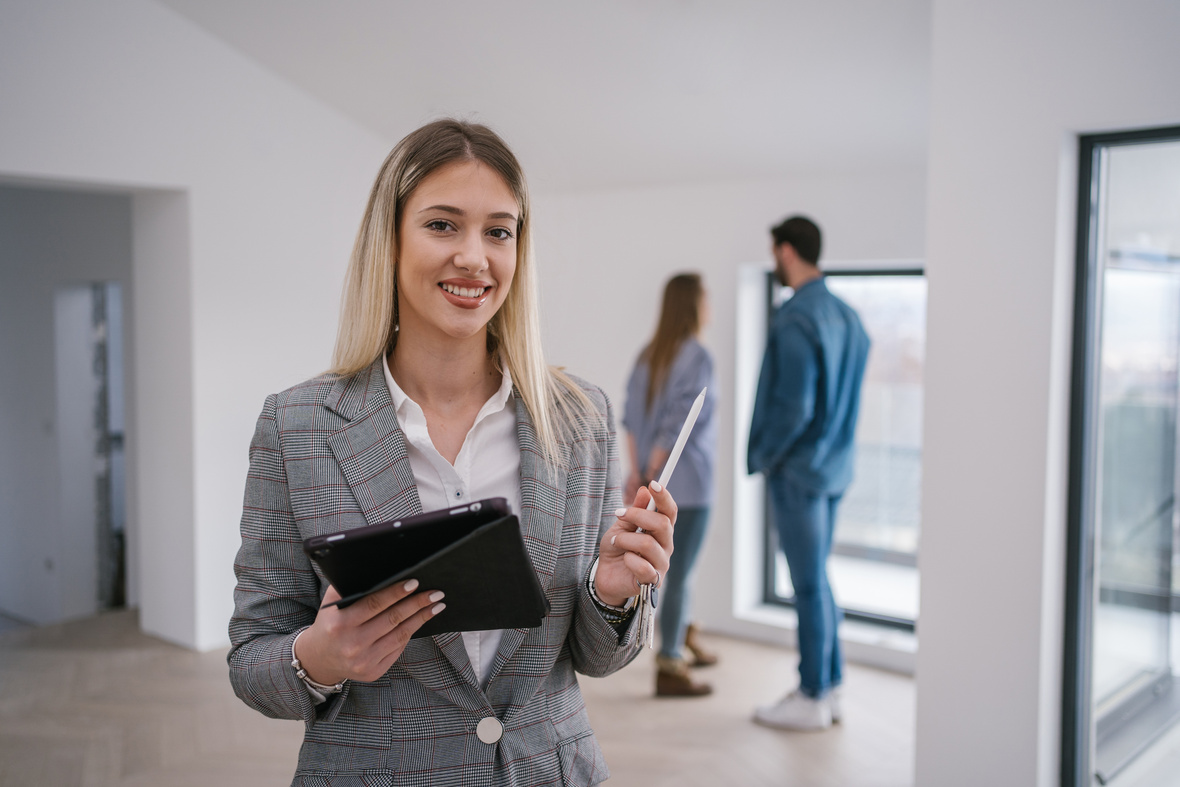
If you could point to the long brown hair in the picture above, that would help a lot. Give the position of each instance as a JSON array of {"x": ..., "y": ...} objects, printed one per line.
[
  {"x": 680, "y": 318},
  {"x": 368, "y": 313}
]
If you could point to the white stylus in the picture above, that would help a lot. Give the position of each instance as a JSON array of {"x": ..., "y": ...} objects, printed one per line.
[{"x": 674, "y": 457}]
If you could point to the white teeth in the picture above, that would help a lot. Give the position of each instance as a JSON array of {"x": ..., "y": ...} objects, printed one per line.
[{"x": 463, "y": 292}]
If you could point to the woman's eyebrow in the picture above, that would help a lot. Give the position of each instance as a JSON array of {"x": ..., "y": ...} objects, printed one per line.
[
  {"x": 460, "y": 212},
  {"x": 445, "y": 209}
]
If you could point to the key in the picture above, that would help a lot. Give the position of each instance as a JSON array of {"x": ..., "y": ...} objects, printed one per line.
[
  {"x": 647, "y": 627},
  {"x": 651, "y": 616},
  {"x": 641, "y": 613},
  {"x": 651, "y": 620}
]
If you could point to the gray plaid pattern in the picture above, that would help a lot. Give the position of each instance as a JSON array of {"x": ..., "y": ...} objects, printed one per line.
[{"x": 328, "y": 455}]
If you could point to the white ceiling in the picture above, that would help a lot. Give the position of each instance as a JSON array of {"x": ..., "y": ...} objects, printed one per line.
[{"x": 615, "y": 92}]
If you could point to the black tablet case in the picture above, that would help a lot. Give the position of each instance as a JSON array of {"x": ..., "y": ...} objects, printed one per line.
[{"x": 473, "y": 553}]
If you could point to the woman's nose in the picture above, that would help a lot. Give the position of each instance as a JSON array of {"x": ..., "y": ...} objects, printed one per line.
[{"x": 471, "y": 256}]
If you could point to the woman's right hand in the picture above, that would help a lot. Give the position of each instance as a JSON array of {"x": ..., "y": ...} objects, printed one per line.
[{"x": 361, "y": 641}]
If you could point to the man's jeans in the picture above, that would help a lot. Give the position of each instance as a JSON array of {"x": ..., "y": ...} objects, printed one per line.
[{"x": 805, "y": 521}]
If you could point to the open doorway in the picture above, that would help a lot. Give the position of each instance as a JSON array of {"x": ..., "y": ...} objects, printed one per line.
[
  {"x": 88, "y": 364},
  {"x": 65, "y": 271}
]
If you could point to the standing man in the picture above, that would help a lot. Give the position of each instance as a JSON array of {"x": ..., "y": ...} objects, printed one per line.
[{"x": 801, "y": 438}]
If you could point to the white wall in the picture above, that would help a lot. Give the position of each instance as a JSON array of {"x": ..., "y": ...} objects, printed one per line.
[
  {"x": 1013, "y": 83},
  {"x": 604, "y": 257},
  {"x": 247, "y": 196},
  {"x": 48, "y": 240}
]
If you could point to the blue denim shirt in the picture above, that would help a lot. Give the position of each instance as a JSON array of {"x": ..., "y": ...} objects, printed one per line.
[
  {"x": 805, "y": 412},
  {"x": 691, "y": 370}
]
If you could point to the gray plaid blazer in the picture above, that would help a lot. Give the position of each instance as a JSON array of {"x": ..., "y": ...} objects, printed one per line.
[{"x": 329, "y": 455}]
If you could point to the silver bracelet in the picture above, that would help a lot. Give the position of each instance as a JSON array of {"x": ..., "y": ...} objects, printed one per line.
[
  {"x": 622, "y": 611},
  {"x": 301, "y": 673}
]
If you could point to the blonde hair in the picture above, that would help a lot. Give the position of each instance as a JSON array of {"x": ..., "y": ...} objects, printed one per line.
[
  {"x": 368, "y": 311},
  {"x": 680, "y": 318}
]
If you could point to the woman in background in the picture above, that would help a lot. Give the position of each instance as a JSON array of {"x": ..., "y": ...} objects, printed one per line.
[{"x": 668, "y": 376}]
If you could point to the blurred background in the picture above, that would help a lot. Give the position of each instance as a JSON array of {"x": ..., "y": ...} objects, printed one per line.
[{"x": 181, "y": 181}]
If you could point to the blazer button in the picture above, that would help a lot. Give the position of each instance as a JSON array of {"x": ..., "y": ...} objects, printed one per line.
[{"x": 489, "y": 730}]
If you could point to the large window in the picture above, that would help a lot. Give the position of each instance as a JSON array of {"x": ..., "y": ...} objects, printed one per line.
[
  {"x": 1122, "y": 692},
  {"x": 873, "y": 568}
]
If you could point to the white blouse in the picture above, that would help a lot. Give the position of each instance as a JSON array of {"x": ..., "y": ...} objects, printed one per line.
[{"x": 488, "y": 465}]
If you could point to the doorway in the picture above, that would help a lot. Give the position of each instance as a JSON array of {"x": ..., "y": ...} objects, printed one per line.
[
  {"x": 65, "y": 270},
  {"x": 88, "y": 360}
]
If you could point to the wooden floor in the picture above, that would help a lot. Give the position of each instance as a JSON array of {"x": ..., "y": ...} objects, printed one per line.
[{"x": 96, "y": 702}]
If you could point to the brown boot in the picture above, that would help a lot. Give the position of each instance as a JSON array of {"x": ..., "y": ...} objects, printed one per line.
[
  {"x": 697, "y": 655},
  {"x": 674, "y": 680}
]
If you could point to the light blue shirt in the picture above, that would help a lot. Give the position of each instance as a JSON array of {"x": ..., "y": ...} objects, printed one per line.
[
  {"x": 691, "y": 370},
  {"x": 804, "y": 422}
]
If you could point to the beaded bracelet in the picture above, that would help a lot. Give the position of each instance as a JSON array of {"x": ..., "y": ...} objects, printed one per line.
[
  {"x": 611, "y": 613},
  {"x": 322, "y": 690}
]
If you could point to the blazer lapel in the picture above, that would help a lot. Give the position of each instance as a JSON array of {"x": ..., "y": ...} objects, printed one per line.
[
  {"x": 542, "y": 498},
  {"x": 371, "y": 449},
  {"x": 372, "y": 454}
]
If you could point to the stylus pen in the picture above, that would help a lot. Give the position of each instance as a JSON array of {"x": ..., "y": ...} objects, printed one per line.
[{"x": 674, "y": 457}]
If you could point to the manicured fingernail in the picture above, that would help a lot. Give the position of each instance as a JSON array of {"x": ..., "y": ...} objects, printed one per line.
[
  {"x": 437, "y": 595},
  {"x": 411, "y": 586},
  {"x": 619, "y": 512},
  {"x": 612, "y": 540},
  {"x": 655, "y": 486},
  {"x": 437, "y": 608}
]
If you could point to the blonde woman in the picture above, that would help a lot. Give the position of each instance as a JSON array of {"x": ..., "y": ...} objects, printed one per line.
[
  {"x": 667, "y": 377},
  {"x": 440, "y": 395}
]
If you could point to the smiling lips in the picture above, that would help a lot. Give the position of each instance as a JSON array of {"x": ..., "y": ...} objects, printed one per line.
[{"x": 467, "y": 297}]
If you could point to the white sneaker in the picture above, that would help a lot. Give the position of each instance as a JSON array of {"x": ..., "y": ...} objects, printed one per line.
[{"x": 797, "y": 711}]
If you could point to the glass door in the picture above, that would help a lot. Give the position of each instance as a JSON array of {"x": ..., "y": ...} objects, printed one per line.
[{"x": 1122, "y": 689}]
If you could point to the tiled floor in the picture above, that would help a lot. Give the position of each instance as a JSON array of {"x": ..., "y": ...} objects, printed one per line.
[
  {"x": 711, "y": 741},
  {"x": 97, "y": 703}
]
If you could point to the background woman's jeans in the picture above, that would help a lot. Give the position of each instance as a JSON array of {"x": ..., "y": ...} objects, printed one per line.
[
  {"x": 805, "y": 522},
  {"x": 675, "y": 607}
]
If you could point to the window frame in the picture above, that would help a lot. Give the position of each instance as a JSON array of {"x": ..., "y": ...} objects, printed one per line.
[
  {"x": 770, "y": 547},
  {"x": 1077, "y": 722}
]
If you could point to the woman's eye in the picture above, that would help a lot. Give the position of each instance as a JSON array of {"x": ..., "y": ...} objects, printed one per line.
[
  {"x": 500, "y": 233},
  {"x": 438, "y": 225}
]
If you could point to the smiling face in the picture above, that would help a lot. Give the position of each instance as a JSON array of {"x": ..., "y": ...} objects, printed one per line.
[{"x": 456, "y": 253}]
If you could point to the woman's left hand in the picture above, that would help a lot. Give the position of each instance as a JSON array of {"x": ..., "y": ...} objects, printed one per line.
[{"x": 626, "y": 557}]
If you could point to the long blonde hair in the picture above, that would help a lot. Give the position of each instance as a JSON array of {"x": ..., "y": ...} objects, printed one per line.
[
  {"x": 368, "y": 311},
  {"x": 680, "y": 318}
]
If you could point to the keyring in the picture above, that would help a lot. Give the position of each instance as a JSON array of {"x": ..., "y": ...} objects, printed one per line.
[{"x": 658, "y": 582}]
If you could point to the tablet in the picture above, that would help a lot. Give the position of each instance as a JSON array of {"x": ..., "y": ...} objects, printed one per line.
[{"x": 473, "y": 553}]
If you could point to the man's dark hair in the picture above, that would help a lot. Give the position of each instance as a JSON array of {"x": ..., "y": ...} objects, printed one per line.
[{"x": 803, "y": 235}]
